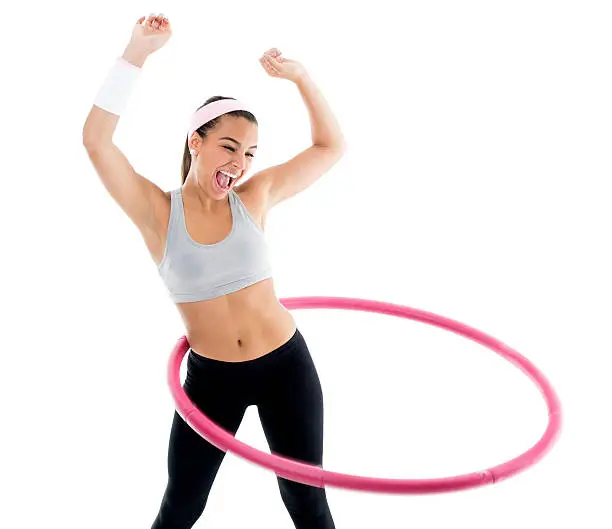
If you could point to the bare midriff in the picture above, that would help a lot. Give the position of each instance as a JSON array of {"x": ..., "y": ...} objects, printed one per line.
[{"x": 239, "y": 326}]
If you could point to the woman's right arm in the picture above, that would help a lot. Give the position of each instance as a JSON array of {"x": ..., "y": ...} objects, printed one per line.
[{"x": 142, "y": 200}]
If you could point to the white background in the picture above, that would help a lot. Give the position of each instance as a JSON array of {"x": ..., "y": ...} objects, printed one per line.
[{"x": 475, "y": 186}]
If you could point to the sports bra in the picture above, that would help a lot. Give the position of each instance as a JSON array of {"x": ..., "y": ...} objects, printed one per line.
[{"x": 194, "y": 272}]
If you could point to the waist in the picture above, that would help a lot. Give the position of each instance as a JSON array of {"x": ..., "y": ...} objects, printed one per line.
[{"x": 240, "y": 326}]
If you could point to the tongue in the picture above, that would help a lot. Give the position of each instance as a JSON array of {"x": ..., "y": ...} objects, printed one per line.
[{"x": 220, "y": 180}]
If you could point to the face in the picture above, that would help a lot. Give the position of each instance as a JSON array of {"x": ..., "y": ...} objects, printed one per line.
[{"x": 230, "y": 148}]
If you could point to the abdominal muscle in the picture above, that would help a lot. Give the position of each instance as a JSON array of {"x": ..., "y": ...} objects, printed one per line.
[{"x": 239, "y": 326}]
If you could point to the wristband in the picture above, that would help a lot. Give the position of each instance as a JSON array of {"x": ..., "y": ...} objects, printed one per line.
[{"x": 116, "y": 89}]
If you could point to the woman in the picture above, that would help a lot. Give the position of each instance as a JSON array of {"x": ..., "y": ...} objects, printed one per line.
[{"x": 207, "y": 240}]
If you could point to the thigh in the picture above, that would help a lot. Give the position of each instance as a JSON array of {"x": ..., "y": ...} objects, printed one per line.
[
  {"x": 192, "y": 461},
  {"x": 291, "y": 408}
]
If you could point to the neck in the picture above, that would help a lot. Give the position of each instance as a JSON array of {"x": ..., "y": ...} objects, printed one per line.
[{"x": 206, "y": 203}]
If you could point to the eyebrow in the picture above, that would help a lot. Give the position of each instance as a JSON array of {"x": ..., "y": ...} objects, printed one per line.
[{"x": 237, "y": 142}]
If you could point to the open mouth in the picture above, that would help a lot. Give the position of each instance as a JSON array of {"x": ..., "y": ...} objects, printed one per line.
[{"x": 224, "y": 181}]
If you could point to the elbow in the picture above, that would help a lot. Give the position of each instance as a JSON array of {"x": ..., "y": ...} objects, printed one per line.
[
  {"x": 88, "y": 136},
  {"x": 93, "y": 140},
  {"x": 86, "y": 141},
  {"x": 89, "y": 143},
  {"x": 338, "y": 145}
]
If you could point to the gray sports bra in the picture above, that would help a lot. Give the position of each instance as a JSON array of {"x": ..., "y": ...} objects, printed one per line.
[{"x": 194, "y": 272}]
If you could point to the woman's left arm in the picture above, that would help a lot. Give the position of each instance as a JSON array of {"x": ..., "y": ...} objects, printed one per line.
[
  {"x": 280, "y": 182},
  {"x": 324, "y": 127}
]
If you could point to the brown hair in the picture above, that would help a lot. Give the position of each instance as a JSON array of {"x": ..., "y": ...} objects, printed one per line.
[{"x": 207, "y": 127}]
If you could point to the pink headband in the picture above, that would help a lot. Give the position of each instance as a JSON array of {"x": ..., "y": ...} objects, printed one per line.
[{"x": 212, "y": 111}]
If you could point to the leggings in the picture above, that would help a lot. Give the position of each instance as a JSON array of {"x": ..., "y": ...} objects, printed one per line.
[{"x": 285, "y": 387}]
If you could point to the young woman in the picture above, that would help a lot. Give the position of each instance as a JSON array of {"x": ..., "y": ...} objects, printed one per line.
[{"x": 207, "y": 240}]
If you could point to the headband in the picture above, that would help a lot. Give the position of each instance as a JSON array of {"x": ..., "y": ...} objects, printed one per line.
[{"x": 212, "y": 111}]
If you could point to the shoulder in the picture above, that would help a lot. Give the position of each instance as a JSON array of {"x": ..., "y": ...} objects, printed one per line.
[{"x": 252, "y": 195}]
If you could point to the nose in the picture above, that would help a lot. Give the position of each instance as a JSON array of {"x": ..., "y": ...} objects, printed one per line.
[{"x": 239, "y": 162}]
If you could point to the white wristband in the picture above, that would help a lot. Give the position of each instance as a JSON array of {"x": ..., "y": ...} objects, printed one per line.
[{"x": 115, "y": 91}]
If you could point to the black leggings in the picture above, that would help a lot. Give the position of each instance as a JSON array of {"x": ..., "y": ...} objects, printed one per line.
[{"x": 285, "y": 387}]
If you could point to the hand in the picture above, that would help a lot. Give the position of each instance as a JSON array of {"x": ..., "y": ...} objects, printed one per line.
[
  {"x": 278, "y": 66},
  {"x": 152, "y": 35}
]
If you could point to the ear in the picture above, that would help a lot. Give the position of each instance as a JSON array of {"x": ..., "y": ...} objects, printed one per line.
[{"x": 195, "y": 142}]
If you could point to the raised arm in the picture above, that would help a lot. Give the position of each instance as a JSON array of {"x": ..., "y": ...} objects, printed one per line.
[{"x": 142, "y": 200}]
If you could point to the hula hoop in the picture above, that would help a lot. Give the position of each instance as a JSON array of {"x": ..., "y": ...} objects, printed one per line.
[{"x": 317, "y": 476}]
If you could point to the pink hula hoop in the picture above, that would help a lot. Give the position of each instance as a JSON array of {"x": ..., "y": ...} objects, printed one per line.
[{"x": 318, "y": 477}]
